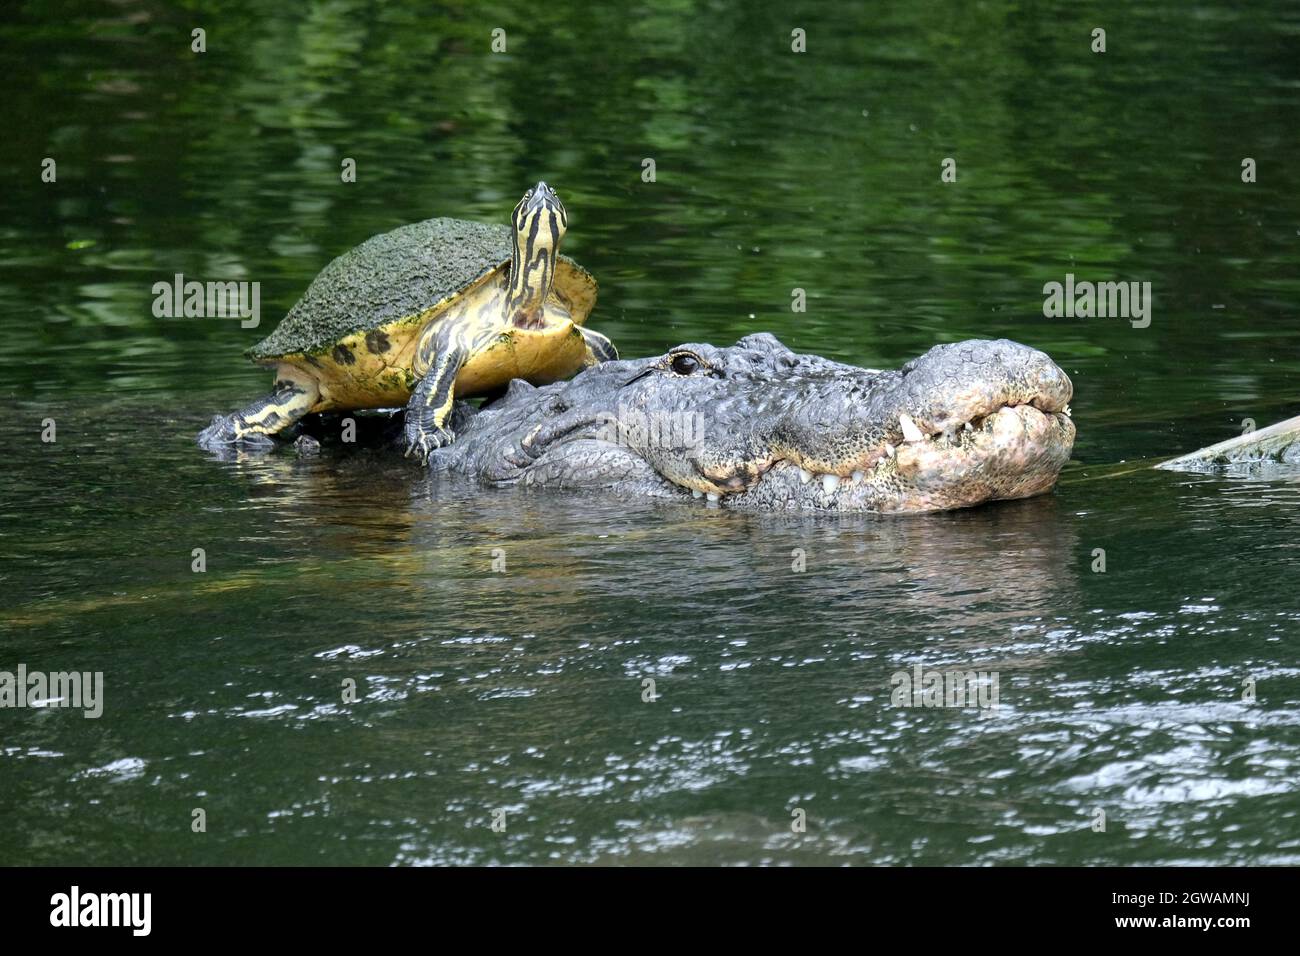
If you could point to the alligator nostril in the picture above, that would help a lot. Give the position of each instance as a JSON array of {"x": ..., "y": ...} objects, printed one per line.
[{"x": 1054, "y": 387}]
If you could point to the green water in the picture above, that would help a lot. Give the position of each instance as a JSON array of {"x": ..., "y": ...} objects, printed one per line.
[{"x": 522, "y": 691}]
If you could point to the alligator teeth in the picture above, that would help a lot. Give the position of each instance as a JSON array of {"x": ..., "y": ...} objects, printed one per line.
[
  {"x": 856, "y": 476},
  {"x": 890, "y": 450},
  {"x": 1067, "y": 411},
  {"x": 830, "y": 483},
  {"x": 696, "y": 493},
  {"x": 711, "y": 496},
  {"x": 805, "y": 475},
  {"x": 967, "y": 427},
  {"x": 910, "y": 431}
]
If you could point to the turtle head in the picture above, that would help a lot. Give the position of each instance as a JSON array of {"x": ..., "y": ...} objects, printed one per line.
[
  {"x": 539, "y": 222},
  {"x": 540, "y": 201}
]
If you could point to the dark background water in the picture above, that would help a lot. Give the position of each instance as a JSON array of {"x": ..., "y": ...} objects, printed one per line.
[{"x": 481, "y": 691}]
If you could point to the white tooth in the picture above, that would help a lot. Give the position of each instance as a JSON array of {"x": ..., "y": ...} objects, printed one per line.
[
  {"x": 857, "y": 476},
  {"x": 696, "y": 493},
  {"x": 805, "y": 475},
  {"x": 910, "y": 431},
  {"x": 1067, "y": 411},
  {"x": 967, "y": 427},
  {"x": 890, "y": 450},
  {"x": 830, "y": 482},
  {"x": 712, "y": 497}
]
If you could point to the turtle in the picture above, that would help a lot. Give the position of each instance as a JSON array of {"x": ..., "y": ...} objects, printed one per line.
[{"x": 424, "y": 314}]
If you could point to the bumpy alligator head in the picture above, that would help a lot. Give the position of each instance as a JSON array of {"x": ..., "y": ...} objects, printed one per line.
[{"x": 757, "y": 426}]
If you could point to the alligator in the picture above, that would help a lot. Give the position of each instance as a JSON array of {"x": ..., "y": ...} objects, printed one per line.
[
  {"x": 757, "y": 426},
  {"x": 1278, "y": 444}
]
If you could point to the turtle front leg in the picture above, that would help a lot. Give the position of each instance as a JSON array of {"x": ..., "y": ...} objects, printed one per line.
[
  {"x": 444, "y": 349},
  {"x": 295, "y": 394},
  {"x": 429, "y": 408},
  {"x": 599, "y": 348}
]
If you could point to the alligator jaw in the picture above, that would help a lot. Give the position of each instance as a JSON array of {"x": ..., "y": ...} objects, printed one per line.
[{"x": 1014, "y": 451}]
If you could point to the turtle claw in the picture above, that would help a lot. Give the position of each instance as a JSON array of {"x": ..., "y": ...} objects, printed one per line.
[
  {"x": 219, "y": 432},
  {"x": 222, "y": 433},
  {"x": 306, "y": 446},
  {"x": 422, "y": 441}
]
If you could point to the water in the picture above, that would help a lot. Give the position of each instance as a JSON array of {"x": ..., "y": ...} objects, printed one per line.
[{"x": 522, "y": 691}]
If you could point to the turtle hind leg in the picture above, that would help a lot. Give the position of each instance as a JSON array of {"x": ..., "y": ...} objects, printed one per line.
[
  {"x": 294, "y": 396},
  {"x": 599, "y": 348}
]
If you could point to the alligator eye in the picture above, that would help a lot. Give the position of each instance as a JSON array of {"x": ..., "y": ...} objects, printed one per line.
[{"x": 685, "y": 364}]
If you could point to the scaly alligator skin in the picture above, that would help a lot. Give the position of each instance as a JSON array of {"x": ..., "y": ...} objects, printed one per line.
[
  {"x": 757, "y": 426},
  {"x": 1278, "y": 443}
]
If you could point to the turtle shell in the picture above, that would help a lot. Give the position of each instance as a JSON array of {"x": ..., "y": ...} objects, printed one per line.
[{"x": 394, "y": 283}]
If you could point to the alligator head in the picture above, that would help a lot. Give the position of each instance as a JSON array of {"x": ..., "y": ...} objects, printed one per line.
[{"x": 758, "y": 426}]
